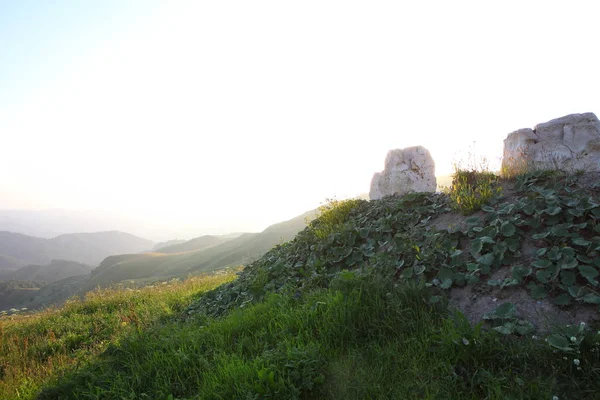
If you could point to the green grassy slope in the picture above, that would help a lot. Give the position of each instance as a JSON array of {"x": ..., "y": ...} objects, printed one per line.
[
  {"x": 167, "y": 243},
  {"x": 356, "y": 307},
  {"x": 36, "y": 349},
  {"x": 199, "y": 243}
]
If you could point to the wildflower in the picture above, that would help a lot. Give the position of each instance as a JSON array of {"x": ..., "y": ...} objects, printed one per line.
[
  {"x": 535, "y": 337},
  {"x": 582, "y": 324},
  {"x": 554, "y": 397},
  {"x": 573, "y": 339},
  {"x": 465, "y": 341},
  {"x": 576, "y": 361}
]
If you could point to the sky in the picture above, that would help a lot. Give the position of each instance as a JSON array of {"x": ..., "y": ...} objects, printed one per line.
[{"x": 214, "y": 116}]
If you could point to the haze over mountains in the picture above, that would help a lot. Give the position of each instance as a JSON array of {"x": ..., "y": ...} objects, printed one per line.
[
  {"x": 67, "y": 262},
  {"x": 49, "y": 223},
  {"x": 54, "y": 222},
  {"x": 89, "y": 248}
]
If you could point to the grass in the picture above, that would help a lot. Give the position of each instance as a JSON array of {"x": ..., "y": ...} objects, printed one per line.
[
  {"x": 472, "y": 189},
  {"x": 331, "y": 216},
  {"x": 36, "y": 349},
  {"x": 363, "y": 338}
]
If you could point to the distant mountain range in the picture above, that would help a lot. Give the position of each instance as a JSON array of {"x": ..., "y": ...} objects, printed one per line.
[
  {"x": 18, "y": 250},
  {"x": 128, "y": 262},
  {"x": 203, "y": 254},
  {"x": 55, "y": 271}
]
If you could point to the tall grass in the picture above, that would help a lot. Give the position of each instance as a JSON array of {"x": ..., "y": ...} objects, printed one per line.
[
  {"x": 36, "y": 349},
  {"x": 363, "y": 338}
]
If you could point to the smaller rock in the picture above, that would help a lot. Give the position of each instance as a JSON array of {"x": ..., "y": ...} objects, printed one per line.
[{"x": 406, "y": 170}]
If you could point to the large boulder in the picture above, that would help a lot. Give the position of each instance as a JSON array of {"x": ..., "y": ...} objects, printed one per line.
[
  {"x": 406, "y": 170},
  {"x": 568, "y": 143}
]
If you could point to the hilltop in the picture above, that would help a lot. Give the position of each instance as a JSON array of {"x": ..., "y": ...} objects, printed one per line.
[{"x": 374, "y": 299}]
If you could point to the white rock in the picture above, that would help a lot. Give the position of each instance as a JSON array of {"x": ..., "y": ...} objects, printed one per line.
[
  {"x": 406, "y": 170},
  {"x": 568, "y": 143}
]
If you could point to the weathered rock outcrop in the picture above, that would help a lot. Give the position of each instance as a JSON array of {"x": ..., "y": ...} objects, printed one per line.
[
  {"x": 406, "y": 170},
  {"x": 568, "y": 143}
]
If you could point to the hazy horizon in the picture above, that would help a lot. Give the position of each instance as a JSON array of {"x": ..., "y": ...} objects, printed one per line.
[{"x": 225, "y": 117}]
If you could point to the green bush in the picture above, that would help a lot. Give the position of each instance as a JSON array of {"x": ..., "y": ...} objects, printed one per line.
[
  {"x": 332, "y": 215},
  {"x": 471, "y": 190}
]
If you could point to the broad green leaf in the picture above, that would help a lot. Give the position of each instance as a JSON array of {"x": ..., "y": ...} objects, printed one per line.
[
  {"x": 506, "y": 329},
  {"x": 487, "y": 209},
  {"x": 569, "y": 263},
  {"x": 445, "y": 273},
  {"x": 529, "y": 209},
  {"x": 519, "y": 272},
  {"x": 581, "y": 242},
  {"x": 506, "y": 310},
  {"x": 561, "y": 230},
  {"x": 419, "y": 269},
  {"x": 554, "y": 254},
  {"x": 572, "y": 202},
  {"x": 543, "y": 276},
  {"x": 562, "y": 299},
  {"x": 559, "y": 342},
  {"x": 591, "y": 298},
  {"x": 552, "y": 220},
  {"x": 541, "y": 252},
  {"x": 507, "y": 229},
  {"x": 574, "y": 291},
  {"x": 486, "y": 259},
  {"x": 486, "y": 239},
  {"x": 494, "y": 282},
  {"x": 472, "y": 267},
  {"x": 541, "y": 263},
  {"x": 510, "y": 282},
  {"x": 476, "y": 246},
  {"x": 472, "y": 220},
  {"x": 589, "y": 273},
  {"x": 576, "y": 212},
  {"x": 538, "y": 292},
  {"x": 514, "y": 244},
  {"x": 446, "y": 283},
  {"x": 539, "y": 236},
  {"x": 524, "y": 327},
  {"x": 584, "y": 259},
  {"x": 456, "y": 253},
  {"x": 568, "y": 251},
  {"x": 553, "y": 210},
  {"x": 568, "y": 278}
]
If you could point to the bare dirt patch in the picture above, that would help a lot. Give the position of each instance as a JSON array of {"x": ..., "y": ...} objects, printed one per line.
[{"x": 476, "y": 300}]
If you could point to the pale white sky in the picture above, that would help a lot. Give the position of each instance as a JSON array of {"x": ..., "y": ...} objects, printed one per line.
[{"x": 229, "y": 116}]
